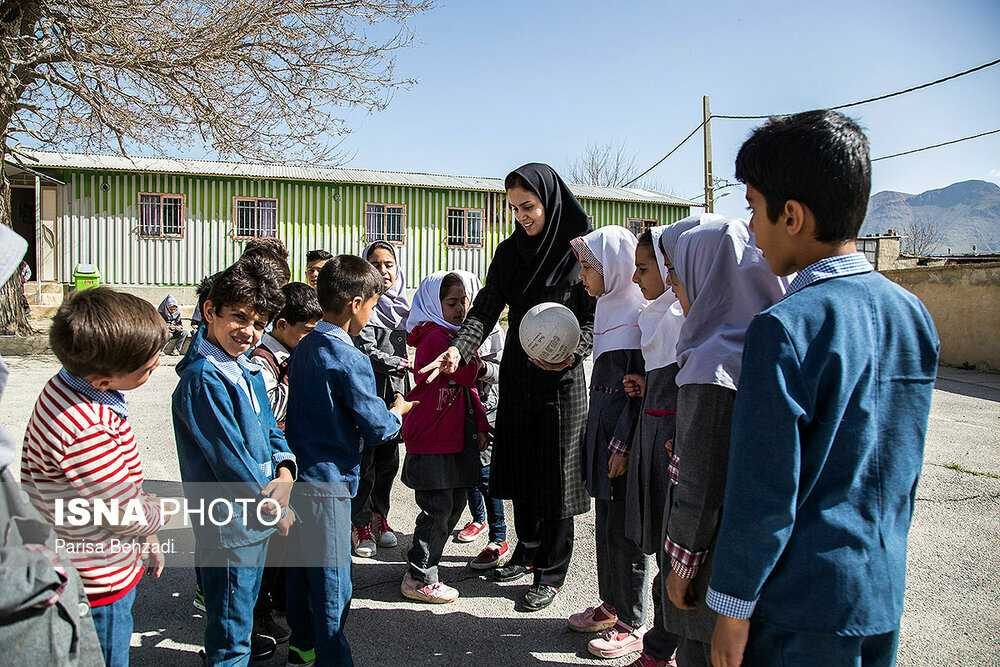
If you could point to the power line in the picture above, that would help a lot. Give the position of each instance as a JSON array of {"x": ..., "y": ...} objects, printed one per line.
[
  {"x": 833, "y": 108},
  {"x": 879, "y": 97},
  {"x": 944, "y": 143},
  {"x": 672, "y": 151}
]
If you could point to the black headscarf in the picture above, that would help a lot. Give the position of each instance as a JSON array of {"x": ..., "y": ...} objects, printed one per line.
[{"x": 549, "y": 255}]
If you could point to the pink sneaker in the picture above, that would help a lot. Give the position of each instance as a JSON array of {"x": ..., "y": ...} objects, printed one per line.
[
  {"x": 645, "y": 660},
  {"x": 617, "y": 641},
  {"x": 437, "y": 593},
  {"x": 471, "y": 532},
  {"x": 496, "y": 554},
  {"x": 594, "y": 619}
]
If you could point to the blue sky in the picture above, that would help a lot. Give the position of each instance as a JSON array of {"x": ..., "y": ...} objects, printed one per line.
[{"x": 503, "y": 83}]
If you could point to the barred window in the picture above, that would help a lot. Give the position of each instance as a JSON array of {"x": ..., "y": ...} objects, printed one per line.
[
  {"x": 385, "y": 222},
  {"x": 465, "y": 227},
  {"x": 255, "y": 217},
  {"x": 161, "y": 216},
  {"x": 638, "y": 225}
]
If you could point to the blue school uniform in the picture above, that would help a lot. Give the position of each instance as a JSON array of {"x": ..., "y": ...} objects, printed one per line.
[
  {"x": 333, "y": 413},
  {"x": 827, "y": 446},
  {"x": 228, "y": 445}
]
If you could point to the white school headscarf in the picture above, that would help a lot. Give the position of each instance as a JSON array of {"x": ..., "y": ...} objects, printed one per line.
[
  {"x": 727, "y": 282},
  {"x": 661, "y": 320},
  {"x": 392, "y": 307},
  {"x": 611, "y": 250},
  {"x": 427, "y": 308}
]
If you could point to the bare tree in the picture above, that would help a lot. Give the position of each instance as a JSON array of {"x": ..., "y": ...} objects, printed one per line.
[
  {"x": 258, "y": 79},
  {"x": 609, "y": 164},
  {"x": 920, "y": 237}
]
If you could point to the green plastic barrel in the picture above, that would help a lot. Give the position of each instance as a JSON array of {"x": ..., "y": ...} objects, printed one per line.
[{"x": 86, "y": 276}]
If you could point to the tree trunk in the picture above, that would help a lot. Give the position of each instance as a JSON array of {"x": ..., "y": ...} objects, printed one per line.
[{"x": 13, "y": 314}]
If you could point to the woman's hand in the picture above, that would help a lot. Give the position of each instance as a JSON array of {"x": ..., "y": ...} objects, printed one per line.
[
  {"x": 446, "y": 363},
  {"x": 554, "y": 368},
  {"x": 635, "y": 385}
]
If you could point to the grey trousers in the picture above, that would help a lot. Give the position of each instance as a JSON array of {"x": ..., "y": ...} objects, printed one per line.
[
  {"x": 621, "y": 564},
  {"x": 693, "y": 653},
  {"x": 440, "y": 511}
]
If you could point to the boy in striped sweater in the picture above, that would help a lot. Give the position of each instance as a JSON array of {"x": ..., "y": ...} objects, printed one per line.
[{"x": 79, "y": 445}]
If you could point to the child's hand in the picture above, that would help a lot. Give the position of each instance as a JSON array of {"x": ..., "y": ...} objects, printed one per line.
[
  {"x": 278, "y": 489},
  {"x": 447, "y": 363},
  {"x": 484, "y": 441},
  {"x": 154, "y": 558},
  {"x": 286, "y": 522},
  {"x": 401, "y": 406},
  {"x": 680, "y": 592},
  {"x": 635, "y": 385},
  {"x": 617, "y": 465}
]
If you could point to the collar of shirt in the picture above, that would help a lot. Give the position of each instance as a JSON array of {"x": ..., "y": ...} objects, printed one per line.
[
  {"x": 331, "y": 329},
  {"x": 115, "y": 400},
  {"x": 232, "y": 369},
  {"x": 831, "y": 267},
  {"x": 277, "y": 348}
]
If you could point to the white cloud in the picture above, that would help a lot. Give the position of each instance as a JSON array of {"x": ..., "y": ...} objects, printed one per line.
[{"x": 994, "y": 175}]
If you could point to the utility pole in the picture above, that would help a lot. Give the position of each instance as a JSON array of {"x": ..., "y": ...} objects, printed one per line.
[{"x": 707, "y": 133}]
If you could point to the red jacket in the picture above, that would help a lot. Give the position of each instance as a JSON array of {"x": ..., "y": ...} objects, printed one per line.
[{"x": 437, "y": 425}]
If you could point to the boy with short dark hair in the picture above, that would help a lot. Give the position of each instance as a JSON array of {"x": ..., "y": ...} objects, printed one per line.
[
  {"x": 829, "y": 421},
  {"x": 229, "y": 446},
  {"x": 315, "y": 259},
  {"x": 79, "y": 444},
  {"x": 333, "y": 412}
]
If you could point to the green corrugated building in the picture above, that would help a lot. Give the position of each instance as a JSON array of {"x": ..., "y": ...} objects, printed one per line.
[{"x": 165, "y": 222}]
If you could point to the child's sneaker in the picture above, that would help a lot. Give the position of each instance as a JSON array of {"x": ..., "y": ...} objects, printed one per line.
[
  {"x": 494, "y": 555},
  {"x": 471, "y": 532},
  {"x": 646, "y": 660},
  {"x": 383, "y": 531},
  {"x": 363, "y": 542},
  {"x": 594, "y": 619},
  {"x": 299, "y": 657},
  {"x": 199, "y": 601},
  {"x": 617, "y": 641},
  {"x": 438, "y": 593}
]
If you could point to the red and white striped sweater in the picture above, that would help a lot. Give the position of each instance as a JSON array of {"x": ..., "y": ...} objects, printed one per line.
[{"x": 77, "y": 448}]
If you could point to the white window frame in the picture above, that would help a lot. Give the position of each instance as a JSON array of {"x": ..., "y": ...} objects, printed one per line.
[
  {"x": 258, "y": 228},
  {"x": 642, "y": 224},
  {"x": 467, "y": 241},
  {"x": 381, "y": 219},
  {"x": 144, "y": 207}
]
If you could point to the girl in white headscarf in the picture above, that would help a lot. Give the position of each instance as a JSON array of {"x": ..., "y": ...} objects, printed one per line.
[
  {"x": 659, "y": 323},
  {"x": 722, "y": 281},
  {"x": 606, "y": 258},
  {"x": 384, "y": 341}
]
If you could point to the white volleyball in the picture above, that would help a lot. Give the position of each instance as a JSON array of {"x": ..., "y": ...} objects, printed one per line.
[{"x": 550, "y": 332}]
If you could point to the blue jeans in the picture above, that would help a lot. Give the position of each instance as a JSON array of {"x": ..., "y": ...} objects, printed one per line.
[
  {"x": 113, "y": 623},
  {"x": 485, "y": 507},
  {"x": 230, "y": 581},
  {"x": 319, "y": 598}
]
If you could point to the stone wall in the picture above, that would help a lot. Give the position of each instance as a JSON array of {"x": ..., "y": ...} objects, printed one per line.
[{"x": 964, "y": 301}]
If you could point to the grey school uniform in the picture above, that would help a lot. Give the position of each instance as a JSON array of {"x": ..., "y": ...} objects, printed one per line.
[
  {"x": 700, "y": 451},
  {"x": 647, "y": 471},
  {"x": 612, "y": 416}
]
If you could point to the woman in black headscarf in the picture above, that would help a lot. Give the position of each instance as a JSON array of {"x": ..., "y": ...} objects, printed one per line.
[{"x": 542, "y": 410}]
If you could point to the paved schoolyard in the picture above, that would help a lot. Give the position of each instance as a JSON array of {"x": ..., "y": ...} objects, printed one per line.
[{"x": 951, "y": 615}]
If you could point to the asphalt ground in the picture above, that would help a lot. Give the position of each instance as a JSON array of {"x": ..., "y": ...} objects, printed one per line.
[{"x": 953, "y": 590}]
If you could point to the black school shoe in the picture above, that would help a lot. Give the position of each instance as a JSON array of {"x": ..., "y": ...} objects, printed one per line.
[
  {"x": 269, "y": 626},
  {"x": 511, "y": 572},
  {"x": 538, "y": 597}
]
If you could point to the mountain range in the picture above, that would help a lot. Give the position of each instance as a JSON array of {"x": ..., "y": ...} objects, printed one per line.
[{"x": 966, "y": 214}]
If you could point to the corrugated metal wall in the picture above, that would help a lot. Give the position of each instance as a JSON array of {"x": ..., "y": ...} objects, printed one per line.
[{"x": 98, "y": 223}]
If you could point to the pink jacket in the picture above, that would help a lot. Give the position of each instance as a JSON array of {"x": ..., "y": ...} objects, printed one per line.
[{"x": 437, "y": 425}]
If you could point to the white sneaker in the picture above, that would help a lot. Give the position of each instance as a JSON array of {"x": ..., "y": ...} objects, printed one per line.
[
  {"x": 363, "y": 542},
  {"x": 382, "y": 529},
  {"x": 433, "y": 593}
]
